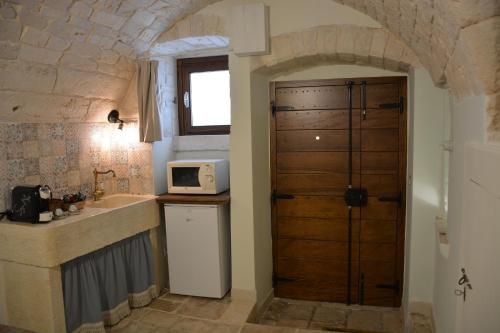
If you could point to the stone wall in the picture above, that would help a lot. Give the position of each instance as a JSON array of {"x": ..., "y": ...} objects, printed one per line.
[
  {"x": 64, "y": 155},
  {"x": 337, "y": 44}
]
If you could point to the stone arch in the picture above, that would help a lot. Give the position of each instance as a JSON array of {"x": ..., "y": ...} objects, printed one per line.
[
  {"x": 193, "y": 33},
  {"x": 343, "y": 44}
]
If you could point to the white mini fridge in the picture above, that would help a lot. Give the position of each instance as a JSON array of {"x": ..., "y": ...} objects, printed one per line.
[{"x": 198, "y": 249}]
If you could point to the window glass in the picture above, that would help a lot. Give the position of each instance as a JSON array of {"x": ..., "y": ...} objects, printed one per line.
[{"x": 210, "y": 99}]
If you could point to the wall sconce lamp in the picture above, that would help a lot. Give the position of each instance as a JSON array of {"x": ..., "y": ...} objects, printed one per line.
[{"x": 114, "y": 117}]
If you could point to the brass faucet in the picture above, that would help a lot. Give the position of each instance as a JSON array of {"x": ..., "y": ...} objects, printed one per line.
[{"x": 97, "y": 194}]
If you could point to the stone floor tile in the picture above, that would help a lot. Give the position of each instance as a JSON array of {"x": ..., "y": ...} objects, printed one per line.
[
  {"x": 421, "y": 328},
  {"x": 166, "y": 295},
  {"x": 392, "y": 321},
  {"x": 238, "y": 312},
  {"x": 365, "y": 320},
  {"x": 129, "y": 326},
  {"x": 256, "y": 328},
  {"x": 204, "y": 308},
  {"x": 281, "y": 309},
  {"x": 164, "y": 305},
  {"x": 137, "y": 314},
  {"x": 159, "y": 318},
  {"x": 190, "y": 325},
  {"x": 7, "y": 329},
  {"x": 335, "y": 316},
  {"x": 270, "y": 322}
]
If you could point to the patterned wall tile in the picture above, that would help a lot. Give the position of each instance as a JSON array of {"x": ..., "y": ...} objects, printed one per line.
[
  {"x": 14, "y": 133},
  {"x": 15, "y": 170},
  {"x": 72, "y": 146},
  {"x": 31, "y": 167},
  {"x": 60, "y": 164},
  {"x": 30, "y": 132},
  {"x": 31, "y": 149},
  {"x": 64, "y": 155},
  {"x": 122, "y": 185},
  {"x": 15, "y": 150},
  {"x": 57, "y": 131}
]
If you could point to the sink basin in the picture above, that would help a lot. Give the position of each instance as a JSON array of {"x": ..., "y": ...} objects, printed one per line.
[
  {"x": 114, "y": 201},
  {"x": 100, "y": 223}
]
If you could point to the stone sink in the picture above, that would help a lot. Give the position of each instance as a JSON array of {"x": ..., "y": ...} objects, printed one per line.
[
  {"x": 99, "y": 224},
  {"x": 115, "y": 201},
  {"x": 31, "y": 292}
]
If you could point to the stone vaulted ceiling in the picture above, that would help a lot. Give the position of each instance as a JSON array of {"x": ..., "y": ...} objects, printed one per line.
[{"x": 73, "y": 59}]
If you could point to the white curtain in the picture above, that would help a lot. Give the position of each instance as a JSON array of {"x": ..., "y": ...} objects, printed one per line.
[{"x": 149, "y": 118}]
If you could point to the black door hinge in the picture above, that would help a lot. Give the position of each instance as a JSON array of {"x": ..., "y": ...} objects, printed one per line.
[
  {"x": 275, "y": 108},
  {"x": 281, "y": 196},
  {"x": 398, "y": 199},
  {"x": 395, "y": 286},
  {"x": 400, "y": 105},
  {"x": 281, "y": 279}
]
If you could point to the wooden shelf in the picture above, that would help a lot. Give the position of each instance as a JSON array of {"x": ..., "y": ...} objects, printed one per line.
[{"x": 195, "y": 199}]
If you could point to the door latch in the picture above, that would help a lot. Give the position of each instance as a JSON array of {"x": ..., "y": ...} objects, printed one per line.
[
  {"x": 281, "y": 196},
  {"x": 465, "y": 284},
  {"x": 398, "y": 199},
  {"x": 356, "y": 197}
]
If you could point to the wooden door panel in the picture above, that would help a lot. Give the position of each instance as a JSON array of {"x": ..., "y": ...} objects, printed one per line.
[
  {"x": 316, "y": 140},
  {"x": 380, "y": 252},
  {"x": 316, "y": 98},
  {"x": 315, "y": 184},
  {"x": 381, "y": 118},
  {"x": 313, "y": 249},
  {"x": 377, "y": 94},
  {"x": 380, "y": 231},
  {"x": 318, "y": 119},
  {"x": 379, "y": 210},
  {"x": 310, "y": 160},
  {"x": 375, "y": 274},
  {"x": 379, "y": 297},
  {"x": 379, "y": 140},
  {"x": 334, "y": 271},
  {"x": 315, "y": 206},
  {"x": 315, "y": 228},
  {"x": 380, "y": 184},
  {"x": 379, "y": 163},
  {"x": 315, "y": 290},
  {"x": 317, "y": 162}
]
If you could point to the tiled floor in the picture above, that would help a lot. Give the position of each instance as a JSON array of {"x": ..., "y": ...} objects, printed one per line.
[
  {"x": 182, "y": 314},
  {"x": 331, "y": 316}
]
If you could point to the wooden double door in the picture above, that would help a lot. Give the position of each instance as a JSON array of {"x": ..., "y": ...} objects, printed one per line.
[{"x": 329, "y": 136}]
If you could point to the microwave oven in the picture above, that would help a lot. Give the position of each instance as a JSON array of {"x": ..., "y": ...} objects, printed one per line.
[{"x": 198, "y": 176}]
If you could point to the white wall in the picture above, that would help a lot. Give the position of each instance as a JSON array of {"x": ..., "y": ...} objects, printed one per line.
[
  {"x": 201, "y": 146},
  {"x": 428, "y": 105},
  {"x": 468, "y": 125}
]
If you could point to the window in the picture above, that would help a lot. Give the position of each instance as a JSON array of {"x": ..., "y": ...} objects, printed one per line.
[{"x": 204, "y": 101}]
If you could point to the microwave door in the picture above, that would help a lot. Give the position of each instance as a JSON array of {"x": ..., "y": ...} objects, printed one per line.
[{"x": 185, "y": 177}]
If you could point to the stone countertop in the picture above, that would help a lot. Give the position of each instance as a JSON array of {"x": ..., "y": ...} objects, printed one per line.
[
  {"x": 51, "y": 244},
  {"x": 223, "y": 198}
]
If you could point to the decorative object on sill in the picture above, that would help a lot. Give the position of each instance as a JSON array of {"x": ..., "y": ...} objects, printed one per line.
[
  {"x": 114, "y": 117},
  {"x": 149, "y": 118},
  {"x": 100, "y": 288},
  {"x": 447, "y": 145}
]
